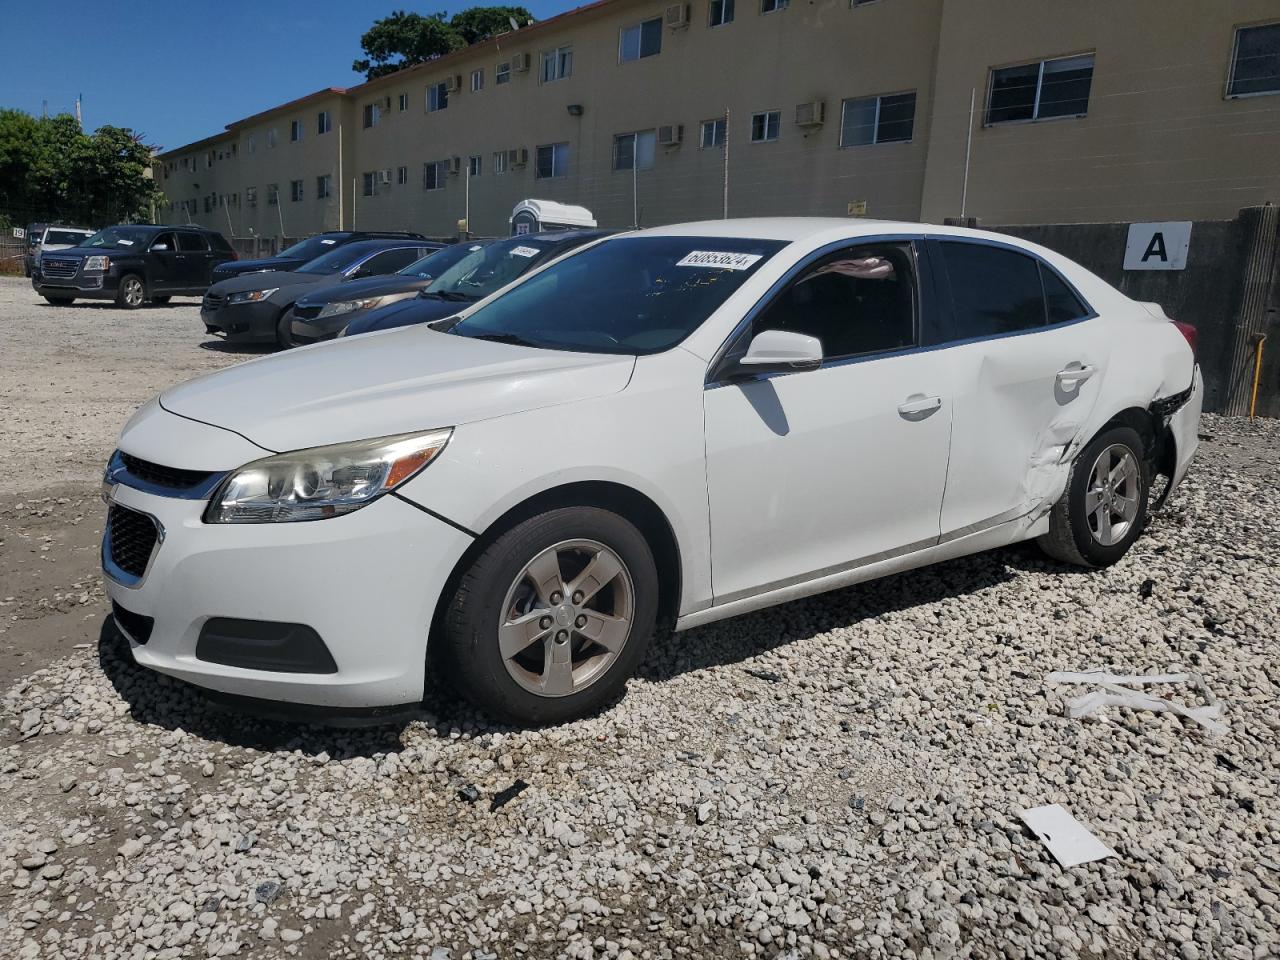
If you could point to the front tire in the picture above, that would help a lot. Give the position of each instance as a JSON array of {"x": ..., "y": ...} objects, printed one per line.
[
  {"x": 553, "y": 617},
  {"x": 284, "y": 330},
  {"x": 1104, "y": 508},
  {"x": 131, "y": 293}
]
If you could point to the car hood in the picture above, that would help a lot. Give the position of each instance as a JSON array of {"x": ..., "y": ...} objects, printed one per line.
[
  {"x": 255, "y": 266},
  {"x": 404, "y": 313},
  {"x": 396, "y": 382},
  {"x": 265, "y": 281},
  {"x": 365, "y": 287}
]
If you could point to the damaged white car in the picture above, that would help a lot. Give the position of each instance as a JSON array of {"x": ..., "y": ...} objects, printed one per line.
[{"x": 666, "y": 428}]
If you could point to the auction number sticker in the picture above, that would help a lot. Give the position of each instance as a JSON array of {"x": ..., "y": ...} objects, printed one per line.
[
  {"x": 718, "y": 260},
  {"x": 524, "y": 251}
]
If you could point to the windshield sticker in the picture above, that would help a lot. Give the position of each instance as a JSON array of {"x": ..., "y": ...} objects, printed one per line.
[
  {"x": 524, "y": 251},
  {"x": 127, "y": 243},
  {"x": 718, "y": 260},
  {"x": 328, "y": 243}
]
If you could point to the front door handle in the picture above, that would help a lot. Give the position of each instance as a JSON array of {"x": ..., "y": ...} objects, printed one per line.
[
  {"x": 1075, "y": 374},
  {"x": 918, "y": 406}
]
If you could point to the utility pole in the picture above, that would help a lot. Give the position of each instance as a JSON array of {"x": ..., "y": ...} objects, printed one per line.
[
  {"x": 341, "y": 211},
  {"x": 725, "y": 213},
  {"x": 968, "y": 148},
  {"x": 79, "y": 119},
  {"x": 635, "y": 192},
  {"x": 466, "y": 210}
]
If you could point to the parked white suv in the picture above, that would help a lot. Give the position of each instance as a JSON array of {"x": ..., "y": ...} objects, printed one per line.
[{"x": 663, "y": 429}]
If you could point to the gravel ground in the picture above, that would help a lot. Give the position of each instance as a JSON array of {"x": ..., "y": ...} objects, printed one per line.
[{"x": 838, "y": 777}]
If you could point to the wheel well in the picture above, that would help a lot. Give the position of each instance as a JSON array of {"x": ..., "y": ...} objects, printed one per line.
[
  {"x": 625, "y": 501},
  {"x": 1157, "y": 438}
]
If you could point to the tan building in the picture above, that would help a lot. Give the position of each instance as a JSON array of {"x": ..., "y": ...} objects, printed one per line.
[{"x": 1012, "y": 111}]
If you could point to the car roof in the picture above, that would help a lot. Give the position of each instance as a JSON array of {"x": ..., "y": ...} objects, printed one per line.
[
  {"x": 379, "y": 243},
  {"x": 563, "y": 236}
]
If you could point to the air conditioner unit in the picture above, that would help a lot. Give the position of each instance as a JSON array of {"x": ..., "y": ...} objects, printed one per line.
[
  {"x": 677, "y": 16},
  {"x": 520, "y": 63},
  {"x": 671, "y": 135},
  {"x": 518, "y": 157},
  {"x": 811, "y": 114},
  {"x": 384, "y": 176},
  {"x": 454, "y": 166},
  {"x": 453, "y": 84}
]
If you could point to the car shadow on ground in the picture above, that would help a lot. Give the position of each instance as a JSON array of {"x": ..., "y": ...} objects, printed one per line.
[{"x": 249, "y": 349}]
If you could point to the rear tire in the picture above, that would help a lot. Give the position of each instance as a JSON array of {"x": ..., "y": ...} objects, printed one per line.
[
  {"x": 131, "y": 293},
  {"x": 1104, "y": 507},
  {"x": 284, "y": 330},
  {"x": 549, "y": 669},
  {"x": 61, "y": 301}
]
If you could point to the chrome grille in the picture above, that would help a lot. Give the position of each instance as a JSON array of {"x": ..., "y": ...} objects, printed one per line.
[
  {"x": 212, "y": 301},
  {"x": 60, "y": 267},
  {"x": 131, "y": 539}
]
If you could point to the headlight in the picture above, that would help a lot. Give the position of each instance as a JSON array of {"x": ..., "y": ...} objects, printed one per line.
[
  {"x": 323, "y": 482},
  {"x": 97, "y": 263},
  {"x": 337, "y": 307},
  {"x": 251, "y": 296}
]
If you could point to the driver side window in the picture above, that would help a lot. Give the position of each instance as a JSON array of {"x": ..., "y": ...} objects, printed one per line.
[
  {"x": 164, "y": 242},
  {"x": 856, "y": 301}
]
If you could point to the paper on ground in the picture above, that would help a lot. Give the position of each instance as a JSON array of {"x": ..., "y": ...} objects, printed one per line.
[
  {"x": 1115, "y": 692},
  {"x": 1067, "y": 838}
]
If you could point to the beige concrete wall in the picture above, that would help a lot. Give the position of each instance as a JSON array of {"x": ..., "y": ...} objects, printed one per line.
[{"x": 1160, "y": 141}]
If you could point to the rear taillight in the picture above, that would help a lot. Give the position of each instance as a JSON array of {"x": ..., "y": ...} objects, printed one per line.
[{"x": 1188, "y": 331}]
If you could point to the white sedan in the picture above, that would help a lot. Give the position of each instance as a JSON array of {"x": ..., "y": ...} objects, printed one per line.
[{"x": 663, "y": 429}]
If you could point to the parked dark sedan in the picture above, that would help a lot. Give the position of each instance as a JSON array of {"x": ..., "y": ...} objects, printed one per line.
[
  {"x": 321, "y": 314},
  {"x": 254, "y": 308},
  {"x": 304, "y": 251},
  {"x": 131, "y": 264},
  {"x": 473, "y": 278}
]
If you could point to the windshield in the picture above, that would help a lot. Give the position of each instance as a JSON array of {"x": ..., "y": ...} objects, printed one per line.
[
  {"x": 483, "y": 271},
  {"x": 336, "y": 260},
  {"x": 631, "y": 295},
  {"x": 438, "y": 261},
  {"x": 119, "y": 238},
  {"x": 312, "y": 247},
  {"x": 68, "y": 237}
]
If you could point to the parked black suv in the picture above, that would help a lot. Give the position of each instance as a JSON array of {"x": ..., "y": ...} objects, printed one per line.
[
  {"x": 304, "y": 251},
  {"x": 131, "y": 264}
]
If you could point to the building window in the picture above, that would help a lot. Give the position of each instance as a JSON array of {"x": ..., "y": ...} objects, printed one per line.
[
  {"x": 477, "y": 80},
  {"x": 557, "y": 64},
  {"x": 324, "y": 185},
  {"x": 1255, "y": 61},
  {"x": 295, "y": 131},
  {"x": 1041, "y": 90},
  {"x": 772, "y": 6},
  {"x": 474, "y": 165},
  {"x": 500, "y": 162},
  {"x": 403, "y": 103},
  {"x": 886, "y": 119},
  {"x": 641, "y": 40},
  {"x": 273, "y": 194},
  {"x": 369, "y": 183},
  {"x": 372, "y": 114},
  {"x": 324, "y": 122},
  {"x": 295, "y": 190},
  {"x": 713, "y": 132},
  {"x": 437, "y": 97},
  {"x": 764, "y": 126},
  {"x": 502, "y": 73},
  {"x": 250, "y": 142},
  {"x": 721, "y": 12},
  {"x": 553, "y": 161},
  {"x": 634, "y": 150},
  {"x": 251, "y": 196},
  {"x": 433, "y": 174},
  {"x": 272, "y": 136}
]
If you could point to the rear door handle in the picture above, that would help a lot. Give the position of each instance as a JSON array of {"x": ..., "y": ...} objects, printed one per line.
[
  {"x": 1076, "y": 374},
  {"x": 919, "y": 406}
]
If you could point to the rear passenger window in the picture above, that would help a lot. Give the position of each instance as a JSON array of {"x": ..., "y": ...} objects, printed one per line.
[
  {"x": 389, "y": 261},
  {"x": 858, "y": 301},
  {"x": 994, "y": 291},
  {"x": 192, "y": 243},
  {"x": 1060, "y": 303}
]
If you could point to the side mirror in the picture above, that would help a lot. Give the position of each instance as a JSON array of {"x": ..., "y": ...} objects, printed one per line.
[
  {"x": 159, "y": 247},
  {"x": 779, "y": 351}
]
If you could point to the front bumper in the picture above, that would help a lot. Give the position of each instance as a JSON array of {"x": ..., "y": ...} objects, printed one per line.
[
  {"x": 317, "y": 329},
  {"x": 90, "y": 286},
  {"x": 242, "y": 322},
  {"x": 366, "y": 583},
  {"x": 1184, "y": 425}
]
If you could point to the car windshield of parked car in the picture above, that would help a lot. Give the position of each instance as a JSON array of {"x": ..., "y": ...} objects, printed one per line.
[
  {"x": 438, "y": 261},
  {"x": 483, "y": 271},
  {"x": 311, "y": 248},
  {"x": 335, "y": 261},
  {"x": 631, "y": 295},
  {"x": 68, "y": 237},
  {"x": 120, "y": 238}
]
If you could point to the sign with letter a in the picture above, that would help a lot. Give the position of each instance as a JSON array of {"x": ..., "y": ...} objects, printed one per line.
[{"x": 1158, "y": 246}]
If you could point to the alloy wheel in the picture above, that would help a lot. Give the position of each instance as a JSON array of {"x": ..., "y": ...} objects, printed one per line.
[
  {"x": 566, "y": 618},
  {"x": 1112, "y": 496},
  {"x": 133, "y": 291}
]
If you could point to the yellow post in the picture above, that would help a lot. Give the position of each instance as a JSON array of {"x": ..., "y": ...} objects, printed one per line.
[{"x": 1257, "y": 374}]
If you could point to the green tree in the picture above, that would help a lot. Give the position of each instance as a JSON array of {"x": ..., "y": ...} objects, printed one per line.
[
  {"x": 18, "y": 151},
  {"x": 404, "y": 39},
  {"x": 481, "y": 23}
]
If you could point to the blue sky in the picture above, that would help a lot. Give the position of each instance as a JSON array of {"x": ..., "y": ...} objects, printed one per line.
[{"x": 180, "y": 71}]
